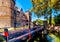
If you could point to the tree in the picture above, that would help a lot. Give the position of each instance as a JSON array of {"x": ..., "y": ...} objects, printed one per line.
[
  {"x": 53, "y": 21},
  {"x": 44, "y": 7},
  {"x": 57, "y": 19},
  {"x": 40, "y": 22},
  {"x": 38, "y": 7}
]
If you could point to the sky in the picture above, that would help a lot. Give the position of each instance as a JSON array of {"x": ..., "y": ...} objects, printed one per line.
[{"x": 26, "y": 5}]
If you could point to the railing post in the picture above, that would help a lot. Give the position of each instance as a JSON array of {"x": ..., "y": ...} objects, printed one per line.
[
  {"x": 29, "y": 25},
  {"x": 6, "y": 34},
  {"x": 45, "y": 27}
]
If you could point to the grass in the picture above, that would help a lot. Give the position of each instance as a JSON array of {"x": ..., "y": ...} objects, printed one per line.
[
  {"x": 1, "y": 30},
  {"x": 12, "y": 29}
]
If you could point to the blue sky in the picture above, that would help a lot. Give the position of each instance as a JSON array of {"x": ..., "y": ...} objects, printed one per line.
[{"x": 25, "y": 5}]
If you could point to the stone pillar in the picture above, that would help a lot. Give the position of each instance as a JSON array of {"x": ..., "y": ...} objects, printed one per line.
[{"x": 45, "y": 26}]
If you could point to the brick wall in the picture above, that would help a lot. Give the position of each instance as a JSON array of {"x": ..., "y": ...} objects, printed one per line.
[{"x": 6, "y": 12}]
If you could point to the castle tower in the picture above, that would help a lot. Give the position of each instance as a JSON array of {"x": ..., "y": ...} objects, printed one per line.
[{"x": 6, "y": 13}]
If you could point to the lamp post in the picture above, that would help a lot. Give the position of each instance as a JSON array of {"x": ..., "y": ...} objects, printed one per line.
[{"x": 29, "y": 24}]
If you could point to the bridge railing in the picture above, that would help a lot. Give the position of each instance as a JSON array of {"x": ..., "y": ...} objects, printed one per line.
[
  {"x": 20, "y": 37},
  {"x": 6, "y": 34}
]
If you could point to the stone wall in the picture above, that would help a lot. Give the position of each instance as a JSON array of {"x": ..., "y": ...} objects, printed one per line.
[{"x": 6, "y": 12}]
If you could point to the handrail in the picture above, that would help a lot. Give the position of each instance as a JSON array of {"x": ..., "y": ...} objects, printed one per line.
[
  {"x": 31, "y": 32},
  {"x": 22, "y": 35}
]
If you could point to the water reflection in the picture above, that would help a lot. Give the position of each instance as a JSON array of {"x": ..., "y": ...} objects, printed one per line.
[
  {"x": 50, "y": 37},
  {"x": 53, "y": 38}
]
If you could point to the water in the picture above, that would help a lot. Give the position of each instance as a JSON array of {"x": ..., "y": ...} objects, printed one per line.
[
  {"x": 48, "y": 38},
  {"x": 53, "y": 38}
]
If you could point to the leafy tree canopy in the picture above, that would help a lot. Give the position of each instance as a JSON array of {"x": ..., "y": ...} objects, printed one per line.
[{"x": 40, "y": 22}]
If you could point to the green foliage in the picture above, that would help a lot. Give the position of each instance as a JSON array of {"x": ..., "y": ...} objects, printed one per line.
[
  {"x": 44, "y": 7},
  {"x": 57, "y": 19},
  {"x": 53, "y": 21},
  {"x": 38, "y": 7},
  {"x": 40, "y": 22}
]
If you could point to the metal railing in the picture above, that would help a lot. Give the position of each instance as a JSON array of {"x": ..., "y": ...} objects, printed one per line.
[{"x": 19, "y": 37}]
